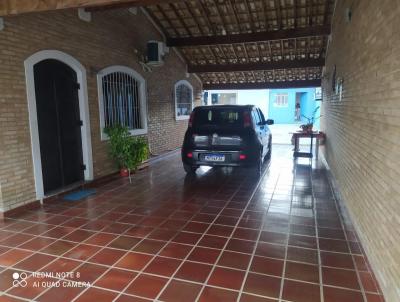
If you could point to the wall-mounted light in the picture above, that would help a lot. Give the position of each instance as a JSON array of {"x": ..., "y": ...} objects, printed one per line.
[
  {"x": 84, "y": 15},
  {"x": 1, "y": 24},
  {"x": 348, "y": 14}
]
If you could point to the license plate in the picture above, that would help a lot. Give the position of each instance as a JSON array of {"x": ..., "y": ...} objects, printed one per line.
[{"x": 214, "y": 157}]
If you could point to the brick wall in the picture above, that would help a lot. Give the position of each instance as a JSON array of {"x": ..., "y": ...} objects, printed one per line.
[
  {"x": 363, "y": 128},
  {"x": 109, "y": 39}
]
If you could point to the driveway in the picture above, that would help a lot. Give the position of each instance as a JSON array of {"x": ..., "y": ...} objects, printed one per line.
[{"x": 223, "y": 235}]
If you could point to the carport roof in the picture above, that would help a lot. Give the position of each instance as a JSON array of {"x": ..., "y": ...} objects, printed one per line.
[
  {"x": 249, "y": 43},
  {"x": 233, "y": 44}
]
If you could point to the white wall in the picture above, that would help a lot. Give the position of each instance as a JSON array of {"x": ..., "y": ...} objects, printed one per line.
[{"x": 259, "y": 98}]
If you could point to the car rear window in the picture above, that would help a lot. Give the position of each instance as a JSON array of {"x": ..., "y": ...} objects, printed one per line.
[{"x": 230, "y": 117}]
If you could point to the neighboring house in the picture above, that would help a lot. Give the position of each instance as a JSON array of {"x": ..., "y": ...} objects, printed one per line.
[
  {"x": 238, "y": 97},
  {"x": 282, "y": 105},
  {"x": 52, "y": 138}
]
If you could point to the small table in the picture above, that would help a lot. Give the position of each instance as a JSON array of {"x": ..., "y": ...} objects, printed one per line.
[{"x": 300, "y": 134}]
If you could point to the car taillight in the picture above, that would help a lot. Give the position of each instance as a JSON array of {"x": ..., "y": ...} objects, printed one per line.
[
  {"x": 190, "y": 155},
  {"x": 246, "y": 119},
  {"x": 242, "y": 157},
  {"x": 191, "y": 120}
]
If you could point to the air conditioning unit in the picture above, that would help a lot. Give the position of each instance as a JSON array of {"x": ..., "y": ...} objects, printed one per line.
[{"x": 155, "y": 53}]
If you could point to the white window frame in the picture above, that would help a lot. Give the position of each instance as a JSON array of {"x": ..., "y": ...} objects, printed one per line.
[
  {"x": 186, "y": 83},
  {"x": 281, "y": 95},
  {"x": 142, "y": 93}
]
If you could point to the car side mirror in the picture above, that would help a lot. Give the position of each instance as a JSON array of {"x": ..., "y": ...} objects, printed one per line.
[{"x": 269, "y": 122}]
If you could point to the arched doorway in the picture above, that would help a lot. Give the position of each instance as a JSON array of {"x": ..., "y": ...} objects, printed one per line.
[
  {"x": 59, "y": 124},
  {"x": 59, "y": 121}
]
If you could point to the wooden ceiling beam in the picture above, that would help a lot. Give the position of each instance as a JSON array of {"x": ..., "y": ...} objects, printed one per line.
[
  {"x": 15, "y": 7},
  {"x": 286, "y": 64},
  {"x": 270, "y": 85},
  {"x": 250, "y": 37}
]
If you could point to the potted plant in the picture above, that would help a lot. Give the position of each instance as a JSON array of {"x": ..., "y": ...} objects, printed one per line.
[
  {"x": 310, "y": 121},
  {"x": 127, "y": 151}
]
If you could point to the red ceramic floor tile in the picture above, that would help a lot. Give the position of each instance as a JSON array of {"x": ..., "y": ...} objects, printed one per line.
[
  {"x": 234, "y": 260},
  {"x": 133, "y": 261},
  {"x": 186, "y": 238},
  {"x": 162, "y": 234},
  {"x": 205, "y": 218},
  {"x": 204, "y": 255},
  {"x": 368, "y": 282},
  {"x": 250, "y": 223},
  {"x": 176, "y": 250},
  {"x": 146, "y": 286},
  {"x": 302, "y": 255},
  {"x": 252, "y": 298},
  {"x": 126, "y": 298},
  {"x": 149, "y": 246},
  {"x": 337, "y": 260},
  {"x": 192, "y": 271},
  {"x": 107, "y": 256},
  {"x": 98, "y": 295},
  {"x": 211, "y": 294},
  {"x": 303, "y": 241},
  {"x": 61, "y": 265},
  {"x": 246, "y": 234},
  {"x": 37, "y": 243},
  {"x": 227, "y": 278},
  {"x": 58, "y": 232},
  {"x": 78, "y": 235},
  {"x": 115, "y": 279},
  {"x": 16, "y": 240},
  {"x": 179, "y": 291},
  {"x": 196, "y": 227},
  {"x": 60, "y": 294},
  {"x": 242, "y": 246},
  {"x": 340, "y": 277},
  {"x": 302, "y": 230},
  {"x": 332, "y": 294},
  {"x": 213, "y": 241},
  {"x": 82, "y": 252},
  {"x": 30, "y": 291},
  {"x": 139, "y": 231},
  {"x": 89, "y": 272},
  {"x": 162, "y": 266},
  {"x": 116, "y": 228},
  {"x": 58, "y": 248},
  {"x": 6, "y": 279},
  {"x": 13, "y": 256},
  {"x": 270, "y": 250},
  {"x": 227, "y": 220},
  {"x": 272, "y": 237},
  {"x": 173, "y": 224},
  {"x": 267, "y": 266},
  {"x": 302, "y": 272},
  {"x": 262, "y": 285},
  {"x": 331, "y": 233},
  {"x": 333, "y": 245},
  {"x": 124, "y": 242},
  {"x": 300, "y": 291},
  {"x": 374, "y": 298},
  {"x": 76, "y": 222},
  {"x": 35, "y": 262},
  {"x": 220, "y": 230},
  {"x": 101, "y": 239}
]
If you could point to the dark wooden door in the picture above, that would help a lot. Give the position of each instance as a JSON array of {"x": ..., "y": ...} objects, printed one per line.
[{"x": 57, "y": 104}]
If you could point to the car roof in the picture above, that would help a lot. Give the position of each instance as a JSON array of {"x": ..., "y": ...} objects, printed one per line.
[{"x": 225, "y": 106}]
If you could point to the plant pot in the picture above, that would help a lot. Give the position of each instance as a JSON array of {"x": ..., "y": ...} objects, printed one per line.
[{"x": 124, "y": 172}]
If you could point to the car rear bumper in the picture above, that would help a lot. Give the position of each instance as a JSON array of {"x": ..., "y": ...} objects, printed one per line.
[{"x": 232, "y": 158}]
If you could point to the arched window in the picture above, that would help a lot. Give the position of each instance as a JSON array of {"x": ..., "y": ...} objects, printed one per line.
[
  {"x": 122, "y": 99},
  {"x": 183, "y": 100}
]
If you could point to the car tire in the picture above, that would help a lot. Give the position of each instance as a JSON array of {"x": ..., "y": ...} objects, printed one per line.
[
  {"x": 189, "y": 169},
  {"x": 268, "y": 155},
  {"x": 259, "y": 165}
]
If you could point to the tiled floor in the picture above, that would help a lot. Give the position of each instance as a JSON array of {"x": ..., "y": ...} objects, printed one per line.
[{"x": 220, "y": 236}]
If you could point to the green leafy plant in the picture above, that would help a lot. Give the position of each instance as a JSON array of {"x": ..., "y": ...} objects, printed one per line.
[
  {"x": 310, "y": 120},
  {"x": 128, "y": 151}
]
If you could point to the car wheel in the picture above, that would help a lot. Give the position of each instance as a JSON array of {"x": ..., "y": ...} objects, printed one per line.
[
  {"x": 268, "y": 155},
  {"x": 259, "y": 165},
  {"x": 189, "y": 169}
]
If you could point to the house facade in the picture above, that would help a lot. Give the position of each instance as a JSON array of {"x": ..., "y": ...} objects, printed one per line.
[
  {"x": 282, "y": 105},
  {"x": 63, "y": 79}
]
